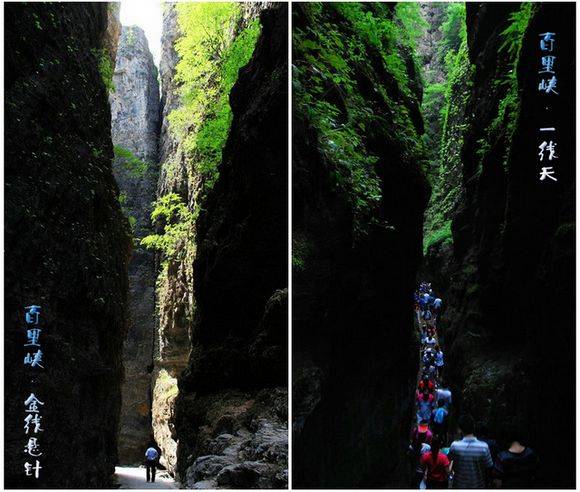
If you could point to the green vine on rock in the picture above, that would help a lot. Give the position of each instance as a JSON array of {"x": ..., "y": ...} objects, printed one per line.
[{"x": 177, "y": 223}]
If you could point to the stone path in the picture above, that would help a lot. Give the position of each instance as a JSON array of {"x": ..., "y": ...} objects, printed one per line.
[
  {"x": 419, "y": 321},
  {"x": 133, "y": 477}
]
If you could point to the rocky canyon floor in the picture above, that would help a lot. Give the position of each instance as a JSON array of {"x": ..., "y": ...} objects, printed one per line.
[{"x": 133, "y": 477}]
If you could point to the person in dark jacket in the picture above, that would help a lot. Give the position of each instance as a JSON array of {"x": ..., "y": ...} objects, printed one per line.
[
  {"x": 516, "y": 467},
  {"x": 151, "y": 459}
]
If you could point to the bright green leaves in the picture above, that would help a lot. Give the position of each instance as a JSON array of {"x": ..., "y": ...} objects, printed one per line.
[
  {"x": 332, "y": 55},
  {"x": 452, "y": 120},
  {"x": 130, "y": 162},
  {"x": 177, "y": 223},
  {"x": 513, "y": 34},
  {"x": 441, "y": 235},
  {"x": 210, "y": 59},
  {"x": 508, "y": 109},
  {"x": 412, "y": 22},
  {"x": 106, "y": 68},
  {"x": 453, "y": 29}
]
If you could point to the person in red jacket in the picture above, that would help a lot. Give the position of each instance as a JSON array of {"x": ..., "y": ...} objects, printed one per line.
[
  {"x": 436, "y": 466},
  {"x": 426, "y": 384}
]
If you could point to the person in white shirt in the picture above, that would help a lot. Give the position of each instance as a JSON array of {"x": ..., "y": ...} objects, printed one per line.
[{"x": 445, "y": 395}]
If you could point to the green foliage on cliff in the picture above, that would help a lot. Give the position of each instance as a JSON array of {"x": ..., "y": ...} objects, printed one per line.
[
  {"x": 300, "y": 252},
  {"x": 446, "y": 183},
  {"x": 440, "y": 235},
  {"x": 209, "y": 61},
  {"x": 453, "y": 29},
  {"x": 513, "y": 34},
  {"x": 173, "y": 216},
  {"x": 504, "y": 124},
  {"x": 410, "y": 21},
  {"x": 505, "y": 90},
  {"x": 129, "y": 161},
  {"x": 506, "y": 87},
  {"x": 332, "y": 54},
  {"x": 106, "y": 68},
  {"x": 434, "y": 73}
]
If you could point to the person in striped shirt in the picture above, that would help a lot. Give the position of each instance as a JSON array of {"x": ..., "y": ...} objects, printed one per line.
[{"x": 470, "y": 457}]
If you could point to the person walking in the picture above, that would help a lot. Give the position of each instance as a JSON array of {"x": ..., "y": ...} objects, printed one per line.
[
  {"x": 444, "y": 394},
  {"x": 436, "y": 466},
  {"x": 151, "y": 458},
  {"x": 439, "y": 419},
  {"x": 430, "y": 371},
  {"x": 439, "y": 362},
  {"x": 485, "y": 436},
  {"x": 420, "y": 439},
  {"x": 425, "y": 385},
  {"x": 470, "y": 457},
  {"x": 430, "y": 341},
  {"x": 437, "y": 302},
  {"x": 425, "y": 402},
  {"x": 428, "y": 357},
  {"x": 516, "y": 467}
]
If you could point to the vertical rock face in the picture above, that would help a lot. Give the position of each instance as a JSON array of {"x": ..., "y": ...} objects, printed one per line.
[
  {"x": 175, "y": 295},
  {"x": 135, "y": 127},
  {"x": 433, "y": 62},
  {"x": 170, "y": 100},
  {"x": 232, "y": 402},
  {"x": 509, "y": 323},
  {"x": 113, "y": 31},
  {"x": 354, "y": 358},
  {"x": 67, "y": 245}
]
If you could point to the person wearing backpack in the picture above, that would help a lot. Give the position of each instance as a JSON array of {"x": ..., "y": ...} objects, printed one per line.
[
  {"x": 436, "y": 466},
  {"x": 439, "y": 420},
  {"x": 151, "y": 459}
]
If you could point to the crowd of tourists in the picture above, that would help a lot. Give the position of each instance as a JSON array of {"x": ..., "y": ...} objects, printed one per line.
[{"x": 437, "y": 461}]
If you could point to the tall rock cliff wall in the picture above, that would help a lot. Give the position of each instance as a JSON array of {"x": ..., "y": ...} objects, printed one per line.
[
  {"x": 509, "y": 285},
  {"x": 175, "y": 298},
  {"x": 232, "y": 403},
  {"x": 135, "y": 130},
  {"x": 67, "y": 245},
  {"x": 358, "y": 199},
  {"x": 228, "y": 421}
]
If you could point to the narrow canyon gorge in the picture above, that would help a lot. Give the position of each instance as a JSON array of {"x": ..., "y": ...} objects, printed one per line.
[
  {"x": 415, "y": 128},
  {"x": 135, "y": 133},
  {"x": 159, "y": 269},
  {"x": 146, "y": 214}
]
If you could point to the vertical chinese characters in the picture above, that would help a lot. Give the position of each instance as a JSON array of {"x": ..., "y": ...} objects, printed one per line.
[
  {"x": 547, "y": 85},
  {"x": 33, "y": 405}
]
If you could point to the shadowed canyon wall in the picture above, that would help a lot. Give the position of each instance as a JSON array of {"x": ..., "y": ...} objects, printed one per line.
[
  {"x": 175, "y": 301},
  {"x": 221, "y": 291},
  {"x": 507, "y": 273},
  {"x": 67, "y": 242},
  {"x": 358, "y": 201},
  {"x": 232, "y": 403},
  {"x": 135, "y": 128}
]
